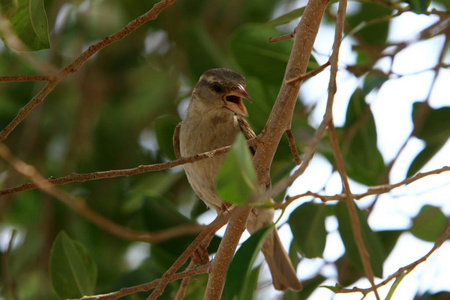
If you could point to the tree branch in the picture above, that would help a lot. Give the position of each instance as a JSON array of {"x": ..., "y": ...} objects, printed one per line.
[
  {"x": 352, "y": 210},
  {"x": 332, "y": 88},
  {"x": 373, "y": 190},
  {"x": 19, "y": 78},
  {"x": 76, "y": 177},
  {"x": 220, "y": 220},
  {"x": 281, "y": 115},
  {"x": 406, "y": 269},
  {"x": 219, "y": 268},
  {"x": 149, "y": 285},
  {"x": 309, "y": 74},
  {"x": 293, "y": 147},
  {"x": 80, "y": 207},
  {"x": 185, "y": 282},
  {"x": 54, "y": 79},
  {"x": 170, "y": 274}
]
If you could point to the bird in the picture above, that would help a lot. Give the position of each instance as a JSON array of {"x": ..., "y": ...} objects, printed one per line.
[{"x": 214, "y": 117}]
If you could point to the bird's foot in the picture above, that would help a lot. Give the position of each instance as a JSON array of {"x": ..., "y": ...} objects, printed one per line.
[{"x": 200, "y": 255}]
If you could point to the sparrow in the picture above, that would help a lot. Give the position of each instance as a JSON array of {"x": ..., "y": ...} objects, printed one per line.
[{"x": 215, "y": 116}]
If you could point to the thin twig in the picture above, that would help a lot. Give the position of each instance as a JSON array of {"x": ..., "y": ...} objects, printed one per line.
[
  {"x": 219, "y": 267},
  {"x": 364, "y": 254},
  {"x": 23, "y": 112},
  {"x": 83, "y": 210},
  {"x": 373, "y": 190},
  {"x": 332, "y": 88},
  {"x": 293, "y": 147},
  {"x": 170, "y": 275},
  {"x": 184, "y": 283},
  {"x": 309, "y": 74},
  {"x": 282, "y": 37},
  {"x": 311, "y": 149},
  {"x": 54, "y": 79},
  {"x": 280, "y": 117},
  {"x": 76, "y": 177},
  {"x": 19, "y": 78},
  {"x": 147, "y": 286},
  {"x": 406, "y": 269},
  {"x": 220, "y": 220}
]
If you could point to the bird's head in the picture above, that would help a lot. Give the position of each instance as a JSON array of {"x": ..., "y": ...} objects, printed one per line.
[{"x": 222, "y": 88}]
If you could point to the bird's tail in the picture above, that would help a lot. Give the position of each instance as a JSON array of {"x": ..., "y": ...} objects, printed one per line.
[{"x": 284, "y": 276}]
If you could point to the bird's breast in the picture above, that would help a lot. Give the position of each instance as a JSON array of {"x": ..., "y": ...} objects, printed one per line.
[
  {"x": 198, "y": 135},
  {"x": 208, "y": 132}
]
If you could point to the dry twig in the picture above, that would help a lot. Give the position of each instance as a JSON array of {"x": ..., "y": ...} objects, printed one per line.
[
  {"x": 80, "y": 207},
  {"x": 293, "y": 147},
  {"x": 54, "y": 79},
  {"x": 147, "y": 286},
  {"x": 364, "y": 254},
  {"x": 220, "y": 220},
  {"x": 406, "y": 269},
  {"x": 75, "y": 177},
  {"x": 332, "y": 88},
  {"x": 373, "y": 190},
  {"x": 309, "y": 74}
]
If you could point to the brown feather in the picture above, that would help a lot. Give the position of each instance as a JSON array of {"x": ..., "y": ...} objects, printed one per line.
[
  {"x": 176, "y": 141},
  {"x": 247, "y": 131}
]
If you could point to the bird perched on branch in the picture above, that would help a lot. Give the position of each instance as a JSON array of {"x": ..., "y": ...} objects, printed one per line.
[{"x": 215, "y": 116}]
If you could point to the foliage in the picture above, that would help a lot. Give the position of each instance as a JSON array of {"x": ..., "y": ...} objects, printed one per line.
[{"x": 119, "y": 111}]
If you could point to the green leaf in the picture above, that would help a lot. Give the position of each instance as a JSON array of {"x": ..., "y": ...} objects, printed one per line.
[
  {"x": 27, "y": 28},
  {"x": 363, "y": 160},
  {"x": 250, "y": 48},
  {"x": 288, "y": 17},
  {"x": 202, "y": 52},
  {"x": 429, "y": 224},
  {"x": 433, "y": 129},
  {"x": 373, "y": 21},
  {"x": 260, "y": 109},
  {"x": 336, "y": 288},
  {"x": 419, "y": 6},
  {"x": 72, "y": 270},
  {"x": 422, "y": 158},
  {"x": 371, "y": 240},
  {"x": 248, "y": 290},
  {"x": 309, "y": 286},
  {"x": 236, "y": 179},
  {"x": 239, "y": 272},
  {"x": 430, "y": 296},
  {"x": 444, "y": 3},
  {"x": 389, "y": 239},
  {"x": 308, "y": 227},
  {"x": 395, "y": 285},
  {"x": 373, "y": 80}
]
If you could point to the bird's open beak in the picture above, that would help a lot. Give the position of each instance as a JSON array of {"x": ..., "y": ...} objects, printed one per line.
[{"x": 233, "y": 100}]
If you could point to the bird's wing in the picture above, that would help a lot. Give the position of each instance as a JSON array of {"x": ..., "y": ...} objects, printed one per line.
[
  {"x": 247, "y": 131},
  {"x": 176, "y": 141}
]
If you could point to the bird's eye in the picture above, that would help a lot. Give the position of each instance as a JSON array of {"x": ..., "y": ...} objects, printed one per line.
[{"x": 216, "y": 88}]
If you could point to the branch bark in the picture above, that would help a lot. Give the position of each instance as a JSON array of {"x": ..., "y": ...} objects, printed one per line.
[
  {"x": 217, "y": 276},
  {"x": 76, "y": 177},
  {"x": 281, "y": 115},
  {"x": 220, "y": 220}
]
